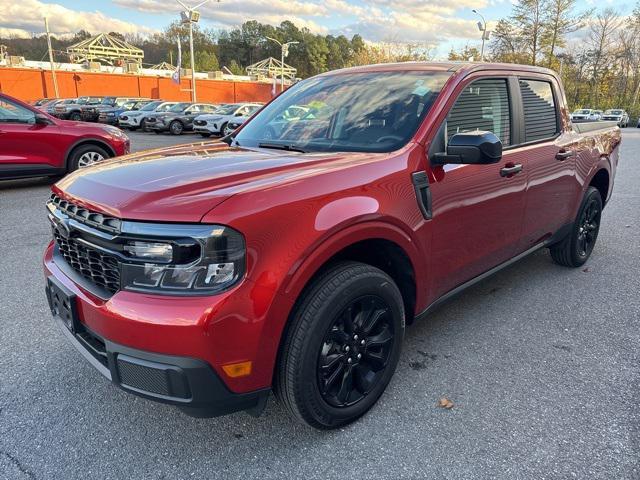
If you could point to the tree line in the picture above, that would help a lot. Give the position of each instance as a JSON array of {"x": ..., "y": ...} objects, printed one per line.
[
  {"x": 238, "y": 48},
  {"x": 596, "y": 52}
]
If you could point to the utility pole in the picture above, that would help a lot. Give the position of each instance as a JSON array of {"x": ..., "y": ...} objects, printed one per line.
[
  {"x": 482, "y": 26},
  {"x": 284, "y": 52},
  {"x": 191, "y": 16},
  {"x": 53, "y": 68}
]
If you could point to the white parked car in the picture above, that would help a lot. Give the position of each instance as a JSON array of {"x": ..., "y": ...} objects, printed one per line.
[
  {"x": 586, "y": 115},
  {"x": 134, "y": 119},
  {"x": 617, "y": 115},
  {"x": 216, "y": 122}
]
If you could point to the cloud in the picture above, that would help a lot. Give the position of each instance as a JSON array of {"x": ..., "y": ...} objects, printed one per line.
[{"x": 25, "y": 17}]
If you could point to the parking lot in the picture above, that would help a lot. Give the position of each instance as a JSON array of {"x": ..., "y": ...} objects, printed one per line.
[{"x": 541, "y": 363}]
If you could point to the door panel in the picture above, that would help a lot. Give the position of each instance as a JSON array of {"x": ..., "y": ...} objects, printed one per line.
[
  {"x": 477, "y": 212},
  {"x": 477, "y": 219},
  {"x": 551, "y": 160}
]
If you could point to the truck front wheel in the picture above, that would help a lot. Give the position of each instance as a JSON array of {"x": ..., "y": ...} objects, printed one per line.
[
  {"x": 342, "y": 346},
  {"x": 575, "y": 249}
]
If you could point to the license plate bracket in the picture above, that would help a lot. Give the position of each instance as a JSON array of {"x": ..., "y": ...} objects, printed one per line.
[{"x": 62, "y": 303}]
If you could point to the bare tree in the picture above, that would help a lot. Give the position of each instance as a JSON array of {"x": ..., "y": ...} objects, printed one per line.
[
  {"x": 561, "y": 21},
  {"x": 601, "y": 40}
]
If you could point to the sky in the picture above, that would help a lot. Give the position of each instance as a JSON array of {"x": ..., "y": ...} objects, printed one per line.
[{"x": 445, "y": 23}]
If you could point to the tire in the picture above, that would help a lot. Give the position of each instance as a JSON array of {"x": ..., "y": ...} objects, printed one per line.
[
  {"x": 176, "y": 128},
  {"x": 576, "y": 248},
  {"x": 86, "y": 155},
  {"x": 143, "y": 125},
  {"x": 205, "y": 135},
  {"x": 324, "y": 329},
  {"x": 75, "y": 116},
  {"x": 222, "y": 127}
]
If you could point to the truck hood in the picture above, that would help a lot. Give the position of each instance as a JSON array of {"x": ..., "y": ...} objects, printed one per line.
[{"x": 182, "y": 184}]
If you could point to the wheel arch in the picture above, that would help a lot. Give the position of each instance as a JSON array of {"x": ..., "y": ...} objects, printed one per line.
[
  {"x": 396, "y": 255},
  {"x": 87, "y": 141},
  {"x": 601, "y": 181}
]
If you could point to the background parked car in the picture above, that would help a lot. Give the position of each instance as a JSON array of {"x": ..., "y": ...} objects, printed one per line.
[
  {"x": 150, "y": 119},
  {"x": 51, "y": 106},
  {"x": 215, "y": 123},
  {"x": 177, "y": 122},
  {"x": 137, "y": 119},
  {"x": 235, "y": 123},
  {"x": 91, "y": 113},
  {"x": 586, "y": 115},
  {"x": 42, "y": 101},
  {"x": 33, "y": 143},
  {"x": 617, "y": 115},
  {"x": 73, "y": 110},
  {"x": 110, "y": 115}
]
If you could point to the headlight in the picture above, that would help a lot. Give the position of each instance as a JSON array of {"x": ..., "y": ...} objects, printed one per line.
[
  {"x": 114, "y": 132},
  {"x": 183, "y": 259}
]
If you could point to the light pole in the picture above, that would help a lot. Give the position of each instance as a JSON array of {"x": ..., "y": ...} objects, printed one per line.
[
  {"x": 482, "y": 26},
  {"x": 191, "y": 16},
  {"x": 284, "y": 52}
]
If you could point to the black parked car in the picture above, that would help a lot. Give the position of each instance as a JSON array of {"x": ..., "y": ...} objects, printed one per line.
[
  {"x": 180, "y": 117},
  {"x": 91, "y": 113}
]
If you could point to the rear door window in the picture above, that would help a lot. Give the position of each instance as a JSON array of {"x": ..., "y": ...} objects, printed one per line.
[{"x": 540, "y": 112}]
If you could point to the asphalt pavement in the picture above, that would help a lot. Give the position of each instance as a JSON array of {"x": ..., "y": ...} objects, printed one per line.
[{"x": 540, "y": 362}]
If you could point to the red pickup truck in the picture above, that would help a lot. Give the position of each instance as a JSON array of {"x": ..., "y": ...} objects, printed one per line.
[{"x": 291, "y": 255}]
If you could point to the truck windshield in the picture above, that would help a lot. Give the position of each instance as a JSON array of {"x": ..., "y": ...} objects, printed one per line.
[{"x": 362, "y": 112}]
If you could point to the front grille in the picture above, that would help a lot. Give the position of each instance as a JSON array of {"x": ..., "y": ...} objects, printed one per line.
[
  {"x": 200, "y": 123},
  {"x": 96, "y": 220},
  {"x": 98, "y": 267}
]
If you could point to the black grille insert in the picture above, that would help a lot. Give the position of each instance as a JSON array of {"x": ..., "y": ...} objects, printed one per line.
[
  {"x": 143, "y": 378},
  {"x": 98, "y": 267}
]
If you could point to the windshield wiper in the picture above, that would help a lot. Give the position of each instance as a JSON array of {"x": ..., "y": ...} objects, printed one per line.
[{"x": 282, "y": 146}]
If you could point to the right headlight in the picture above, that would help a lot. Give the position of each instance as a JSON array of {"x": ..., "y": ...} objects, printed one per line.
[{"x": 182, "y": 259}]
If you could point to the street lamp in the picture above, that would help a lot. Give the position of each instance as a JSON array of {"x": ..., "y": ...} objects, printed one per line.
[
  {"x": 191, "y": 16},
  {"x": 284, "y": 52},
  {"x": 482, "y": 26}
]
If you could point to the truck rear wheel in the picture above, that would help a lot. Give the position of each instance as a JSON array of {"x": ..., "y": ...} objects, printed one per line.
[
  {"x": 342, "y": 346},
  {"x": 575, "y": 249}
]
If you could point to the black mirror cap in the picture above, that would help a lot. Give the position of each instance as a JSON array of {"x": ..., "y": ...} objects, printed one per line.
[{"x": 472, "y": 148}]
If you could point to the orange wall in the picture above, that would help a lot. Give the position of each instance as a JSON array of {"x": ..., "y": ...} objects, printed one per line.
[{"x": 31, "y": 84}]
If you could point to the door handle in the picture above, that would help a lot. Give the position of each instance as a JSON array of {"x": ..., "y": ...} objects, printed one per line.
[
  {"x": 564, "y": 155},
  {"x": 512, "y": 170}
]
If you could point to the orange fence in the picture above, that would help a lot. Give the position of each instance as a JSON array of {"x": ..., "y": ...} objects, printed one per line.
[{"x": 31, "y": 84}]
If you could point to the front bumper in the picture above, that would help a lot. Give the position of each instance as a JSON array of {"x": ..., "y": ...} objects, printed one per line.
[
  {"x": 208, "y": 128},
  {"x": 129, "y": 122},
  {"x": 187, "y": 382}
]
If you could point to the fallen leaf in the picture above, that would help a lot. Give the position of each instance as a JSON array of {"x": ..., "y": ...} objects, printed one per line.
[{"x": 445, "y": 403}]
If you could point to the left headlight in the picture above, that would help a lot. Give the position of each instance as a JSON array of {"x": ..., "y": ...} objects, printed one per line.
[{"x": 183, "y": 259}]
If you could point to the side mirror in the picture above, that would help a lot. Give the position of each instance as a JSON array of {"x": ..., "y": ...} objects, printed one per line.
[
  {"x": 41, "y": 119},
  {"x": 471, "y": 148},
  {"x": 238, "y": 114}
]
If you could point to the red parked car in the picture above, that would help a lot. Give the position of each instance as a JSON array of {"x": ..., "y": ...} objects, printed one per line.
[
  {"x": 292, "y": 256},
  {"x": 33, "y": 143}
]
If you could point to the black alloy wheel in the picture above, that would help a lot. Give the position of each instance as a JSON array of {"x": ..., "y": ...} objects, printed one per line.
[
  {"x": 589, "y": 225},
  {"x": 341, "y": 346},
  {"x": 355, "y": 351},
  {"x": 576, "y": 247}
]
